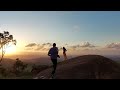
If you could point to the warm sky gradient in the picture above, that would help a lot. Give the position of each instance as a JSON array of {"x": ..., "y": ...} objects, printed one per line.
[{"x": 81, "y": 32}]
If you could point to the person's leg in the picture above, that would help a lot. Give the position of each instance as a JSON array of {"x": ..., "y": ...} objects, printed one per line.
[
  {"x": 55, "y": 65},
  {"x": 65, "y": 56},
  {"x": 54, "y": 61},
  {"x": 52, "y": 65}
]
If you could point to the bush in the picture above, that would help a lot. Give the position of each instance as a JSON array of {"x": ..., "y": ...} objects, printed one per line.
[
  {"x": 19, "y": 67},
  {"x": 3, "y": 71}
]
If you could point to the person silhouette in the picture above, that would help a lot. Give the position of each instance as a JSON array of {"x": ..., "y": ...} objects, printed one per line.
[
  {"x": 64, "y": 53},
  {"x": 53, "y": 53}
]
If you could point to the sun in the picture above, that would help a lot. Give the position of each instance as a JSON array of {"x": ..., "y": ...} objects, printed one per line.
[{"x": 10, "y": 50}]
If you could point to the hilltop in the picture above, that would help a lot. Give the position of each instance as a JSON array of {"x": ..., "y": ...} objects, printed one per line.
[{"x": 85, "y": 67}]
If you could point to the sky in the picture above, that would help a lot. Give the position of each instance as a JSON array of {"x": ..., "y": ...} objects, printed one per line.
[{"x": 81, "y": 32}]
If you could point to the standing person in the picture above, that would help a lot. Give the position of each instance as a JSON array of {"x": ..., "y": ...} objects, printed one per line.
[
  {"x": 53, "y": 53},
  {"x": 64, "y": 53}
]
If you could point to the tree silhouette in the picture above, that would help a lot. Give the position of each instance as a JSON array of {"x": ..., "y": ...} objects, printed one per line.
[
  {"x": 19, "y": 66},
  {"x": 5, "y": 41}
]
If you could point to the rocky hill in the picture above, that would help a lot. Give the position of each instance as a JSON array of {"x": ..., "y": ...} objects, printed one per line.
[{"x": 85, "y": 67}]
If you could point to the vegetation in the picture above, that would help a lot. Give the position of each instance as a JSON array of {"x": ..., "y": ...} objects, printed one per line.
[
  {"x": 5, "y": 41},
  {"x": 21, "y": 70},
  {"x": 19, "y": 67}
]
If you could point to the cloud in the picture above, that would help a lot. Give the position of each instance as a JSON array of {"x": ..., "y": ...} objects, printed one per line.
[
  {"x": 81, "y": 46},
  {"x": 60, "y": 49},
  {"x": 113, "y": 45},
  {"x": 45, "y": 44},
  {"x": 87, "y": 44},
  {"x": 74, "y": 47},
  {"x": 31, "y": 45},
  {"x": 29, "y": 48},
  {"x": 66, "y": 44},
  {"x": 45, "y": 49},
  {"x": 38, "y": 47}
]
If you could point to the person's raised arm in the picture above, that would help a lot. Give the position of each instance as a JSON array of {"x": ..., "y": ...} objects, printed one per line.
[{"x": 49, "y": 52}]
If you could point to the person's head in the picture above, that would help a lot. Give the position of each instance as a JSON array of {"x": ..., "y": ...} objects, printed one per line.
[
  {"x": 54, "y": 44},
  {"x": 64, "y": 49}
]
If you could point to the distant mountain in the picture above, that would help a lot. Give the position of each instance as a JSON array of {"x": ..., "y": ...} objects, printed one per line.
[
  {"x": 7, "y": 63},
  {"x": 114, "y": 57},
  {"x": 40, "y": 61},
  {"x": 85, "y": 67}
]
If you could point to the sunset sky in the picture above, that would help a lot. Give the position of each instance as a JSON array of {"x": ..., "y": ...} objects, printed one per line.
[{"x": 81, "y": 32}]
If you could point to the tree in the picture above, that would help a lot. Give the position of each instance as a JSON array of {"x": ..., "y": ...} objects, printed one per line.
[
  {"x": 19, "y": 66},
  {"x": 5, "y": 41}
]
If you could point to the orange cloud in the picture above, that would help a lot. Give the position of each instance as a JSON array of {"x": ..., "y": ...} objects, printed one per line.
[
  {"x": 38, "y": 47},
  {"x": 113, "y": 45}
]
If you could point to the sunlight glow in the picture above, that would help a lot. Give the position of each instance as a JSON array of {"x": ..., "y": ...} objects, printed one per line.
[{"x": 11, "y": 50}]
